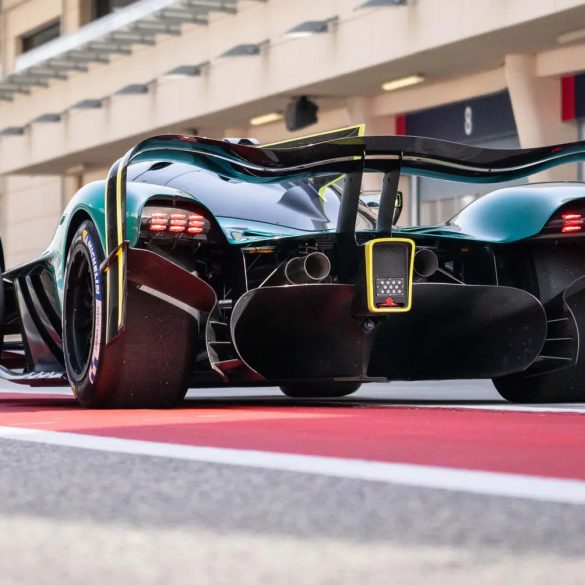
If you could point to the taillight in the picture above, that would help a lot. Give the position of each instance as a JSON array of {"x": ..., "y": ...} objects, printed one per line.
[
  {"x": 172, "y": 223},
  {"x": 196, "y": 224},
  {"x": 572, "y": 222},
  {"x": 568, "y": 222}
]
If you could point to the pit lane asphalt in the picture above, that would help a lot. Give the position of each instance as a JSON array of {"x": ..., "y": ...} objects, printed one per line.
[{"x": 71, "y": 515}]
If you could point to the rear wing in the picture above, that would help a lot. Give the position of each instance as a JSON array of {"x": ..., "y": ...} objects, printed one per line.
[
  {"x": 344, "y": 152},
  {"x": 417, "y": 156}
]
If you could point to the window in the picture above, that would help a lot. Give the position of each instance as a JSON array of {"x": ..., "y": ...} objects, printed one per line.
[
  {"x": 41, "y": 36},
  {"x": 103, "y": 7}
]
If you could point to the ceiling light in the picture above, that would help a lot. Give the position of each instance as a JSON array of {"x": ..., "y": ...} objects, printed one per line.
[
  {"x": 266, "y": 119},
  {"x": 570, "y": 37},
  {"x": 244, "y": 50},
  {"x": 133, "y": 89},
  {"x": 381, "y": 4},
  {"x": 311, "y": 27},
  {"x": 186, "y": 71},
  {"x": 402, "y": 82}
]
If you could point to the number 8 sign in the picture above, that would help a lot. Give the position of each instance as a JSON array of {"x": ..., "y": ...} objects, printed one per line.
[{"x": 468, "y": 120}]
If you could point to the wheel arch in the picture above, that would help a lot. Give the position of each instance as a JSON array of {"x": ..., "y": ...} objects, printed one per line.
[{"x": 78, "y": 217}]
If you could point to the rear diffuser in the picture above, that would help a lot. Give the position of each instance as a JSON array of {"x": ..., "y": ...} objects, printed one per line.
[
  {"x": 300, "y": 331},
  {"x": 460, "y": 331}
]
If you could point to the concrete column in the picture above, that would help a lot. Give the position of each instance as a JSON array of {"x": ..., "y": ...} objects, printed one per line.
[
  {"x": 75, "y": 14},
  {"x": 71, "y": 182},
  {"x": 3, "y": 221},
  {"x": 536, "y": 102},
  {"x": 5, "y": 64}
]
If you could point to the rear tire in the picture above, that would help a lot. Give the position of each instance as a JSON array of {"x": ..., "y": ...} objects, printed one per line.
[
  {"x": 124, "y": 374},
  {"x": 320, "y": 390},
  {"x": 561, "y": 386}
]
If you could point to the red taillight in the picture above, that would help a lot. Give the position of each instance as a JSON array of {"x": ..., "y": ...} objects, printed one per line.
[
  {"x": 158, "y": 222},
  {"x": 567, "y": 229},
  {"x": 196, "y": 223},
  {"x": 572, "y": 222},
  {"x": 178, "y": 223},
  {"x": 173, "y": 222}
]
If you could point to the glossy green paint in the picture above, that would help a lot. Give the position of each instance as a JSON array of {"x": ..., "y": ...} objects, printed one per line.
[
  {"x": 507, "y": 215},
  {"x": 89, "y": 202},
  {"x": 241, "y": 232}
]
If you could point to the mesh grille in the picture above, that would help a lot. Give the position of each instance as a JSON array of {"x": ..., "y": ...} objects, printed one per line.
[{"x": 390, "y": 264}]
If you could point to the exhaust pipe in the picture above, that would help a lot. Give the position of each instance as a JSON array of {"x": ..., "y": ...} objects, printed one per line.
[
  {"x": 314, "y": 267},
  {"x": 310, "y": 269},
  {"x": 426, "y": 263}
]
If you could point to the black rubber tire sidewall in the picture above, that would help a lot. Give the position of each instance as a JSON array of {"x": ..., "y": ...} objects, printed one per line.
[
  {"x": 86, "y": 240},
  {"x": 320, "y": 390},
  {"x": 562, "y": 386}
]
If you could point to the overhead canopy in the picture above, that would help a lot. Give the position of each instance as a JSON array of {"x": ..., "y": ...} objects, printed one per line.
[{"x": 116, "y": 33}]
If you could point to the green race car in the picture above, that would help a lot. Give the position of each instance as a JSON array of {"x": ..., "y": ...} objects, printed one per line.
[{"x": 204, "y": 263}]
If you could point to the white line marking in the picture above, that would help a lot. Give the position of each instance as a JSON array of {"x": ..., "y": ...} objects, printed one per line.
[
  {"x": 267, "y": 393},
  {"x": 477, "y": 482},
  {"x": 44, "y": 391},
  {"x": 568, "y": 408}
]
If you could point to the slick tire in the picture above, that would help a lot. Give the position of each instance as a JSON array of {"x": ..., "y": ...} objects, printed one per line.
[
  {"x": 83, "y": 314},
  {"x": 561, "y": 386},
  {"x": 320, "y": 390},
  {"x": 130, "y": 372}
]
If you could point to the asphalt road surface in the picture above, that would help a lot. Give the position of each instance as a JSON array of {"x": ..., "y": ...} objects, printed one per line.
[{"x": 434, "y": 483}]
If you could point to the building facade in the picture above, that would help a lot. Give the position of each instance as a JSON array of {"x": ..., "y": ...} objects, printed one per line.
[{"x": 83, "y": 80}]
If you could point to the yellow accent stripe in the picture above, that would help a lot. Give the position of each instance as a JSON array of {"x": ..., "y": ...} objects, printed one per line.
[
  {"x": 327, "y": 185},
  {"x": 120, "y": 238},
  {"x": 119, "y": 203},
  {"x": 107, "y": 254},
  {"x": 361, "y": 128},
  {"x": 370, "y": 288}
]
